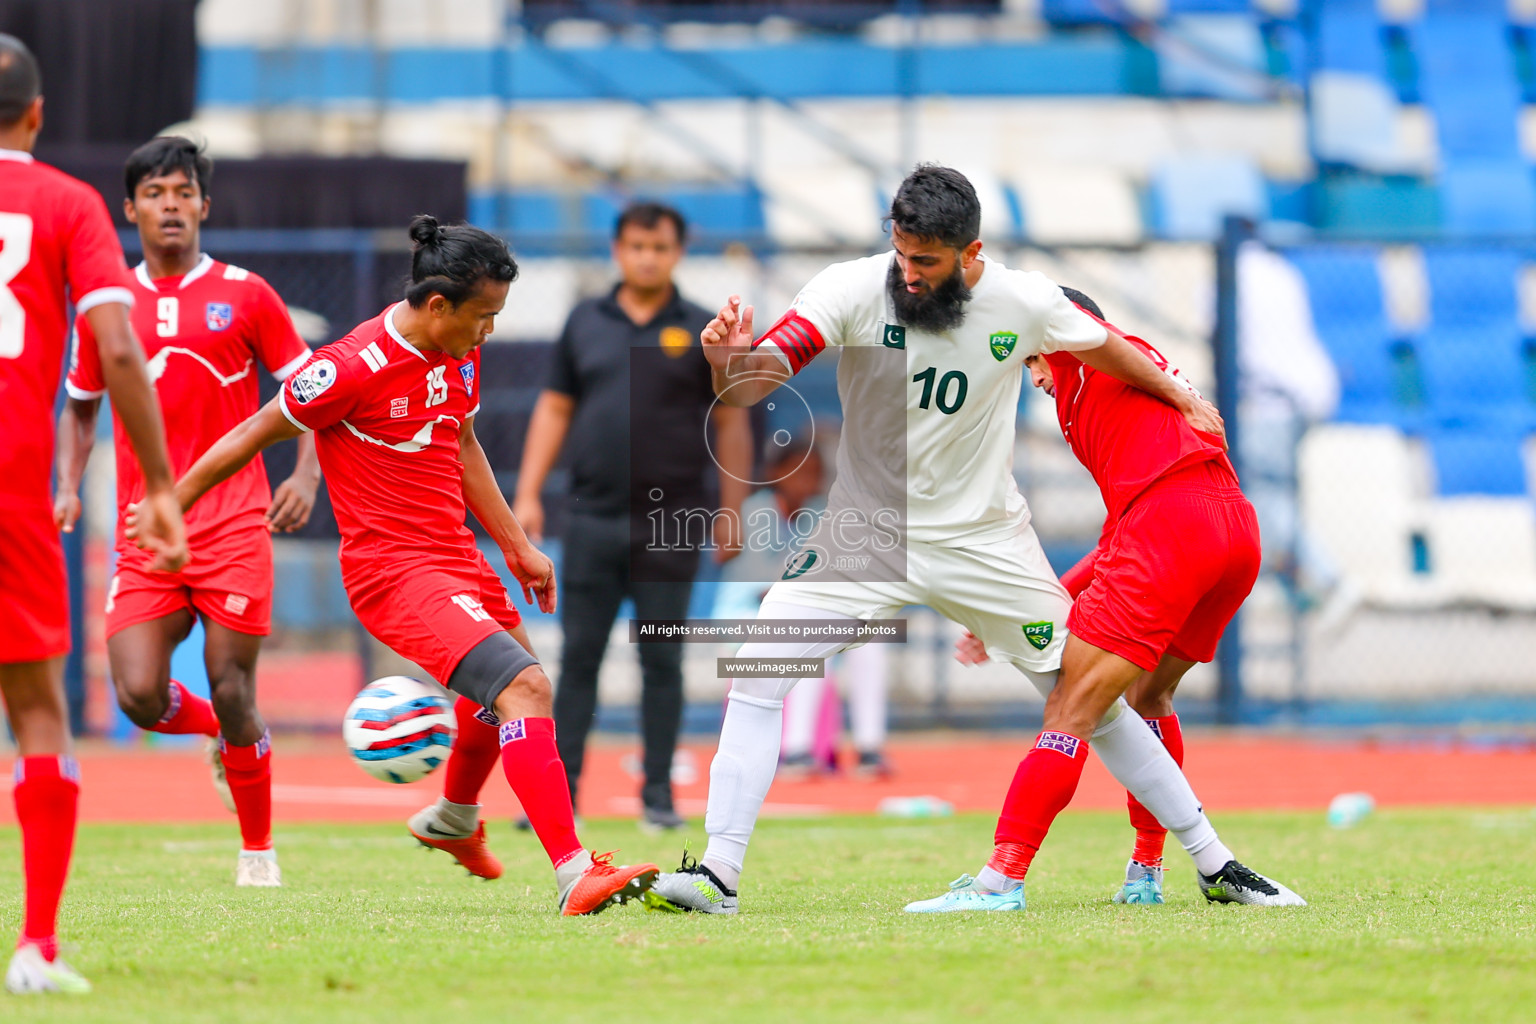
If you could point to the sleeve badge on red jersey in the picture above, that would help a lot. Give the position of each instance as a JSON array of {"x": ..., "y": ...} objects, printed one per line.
[
  {"x": 312, "y": 381},
  {"x": 467, "y": 371},
  {"x": 220, "y": 316}
]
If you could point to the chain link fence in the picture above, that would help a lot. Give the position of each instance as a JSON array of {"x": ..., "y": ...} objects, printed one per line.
[{"x": 1400, "y": 570}]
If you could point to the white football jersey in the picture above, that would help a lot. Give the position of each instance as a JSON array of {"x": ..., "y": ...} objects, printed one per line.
[{"x": 933, "y": 415}]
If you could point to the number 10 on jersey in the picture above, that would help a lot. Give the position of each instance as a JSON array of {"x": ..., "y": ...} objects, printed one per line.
[{"x": 949, "y": 395}]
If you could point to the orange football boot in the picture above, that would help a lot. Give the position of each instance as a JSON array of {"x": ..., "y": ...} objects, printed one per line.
[
  {"x": 603, "y": 884},
  {"x": 471, "y": 851}
]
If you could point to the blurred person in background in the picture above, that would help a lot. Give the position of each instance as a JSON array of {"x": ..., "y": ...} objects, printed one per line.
[
  {"x": 774, "y": 519},
  {"x": 206, "y": 325},
  {"x": 1288, "y": 382},
  {"x": 585, "y": 412},
  {"x": 57, "y": 246}
]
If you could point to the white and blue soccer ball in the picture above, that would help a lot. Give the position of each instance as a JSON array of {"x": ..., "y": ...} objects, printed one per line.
[{"x": 400, "y": 729}]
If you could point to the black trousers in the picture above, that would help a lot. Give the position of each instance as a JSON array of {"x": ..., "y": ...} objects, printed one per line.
[{"x": 597, "y": 578}]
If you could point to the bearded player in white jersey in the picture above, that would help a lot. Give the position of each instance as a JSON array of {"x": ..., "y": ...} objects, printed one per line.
[{"x": 934, "y": 338}]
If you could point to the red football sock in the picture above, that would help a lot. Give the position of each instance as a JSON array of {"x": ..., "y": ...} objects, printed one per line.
[
  {"x": 1042, "y": 787},
  {"x": 475, "y": 752},
  {"x": 187, "y": 713},
  {"x": 47, "y": 794},
  {"x": 537, "y": 775},
  {"x": 249, "y": 772},
  {"x": 1150, "y": 834}
]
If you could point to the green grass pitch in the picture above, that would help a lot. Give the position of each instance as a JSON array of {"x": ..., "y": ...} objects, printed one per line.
[{"x": 1422, "y": 915}]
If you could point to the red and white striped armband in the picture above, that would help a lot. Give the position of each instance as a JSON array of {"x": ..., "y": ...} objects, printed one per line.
[{"x": 796, "y": 337}]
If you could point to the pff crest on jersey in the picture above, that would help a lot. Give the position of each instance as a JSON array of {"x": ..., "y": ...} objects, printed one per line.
[
  {"x": 220, "y": 316},
  {"x": 1002, "y": 344}
]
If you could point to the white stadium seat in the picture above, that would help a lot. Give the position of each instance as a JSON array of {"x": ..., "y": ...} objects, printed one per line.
[
  {"x": 1359, "y": 505},
  {"x": 1482, "y": 550},
  {"x": 1089, "y": 205}
]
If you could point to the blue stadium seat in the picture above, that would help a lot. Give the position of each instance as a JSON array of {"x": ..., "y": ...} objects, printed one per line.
[
  {"x": 1192, "y": 195},
  {"x": 1349, "y": 39},
  {"x": 1467, "y": 77},
  {"x": 1082, "y": 12},
  {"x": 1480, "y": 459},
  {"x": 1487, "y": 198},
  {"x": 1472, "y": 286},
  {"x": 1210, "y": 6},
  {"x": 1475, "y": 373},
  {"x": 1221, "y": 56},
  {"x": 1344, "y": 289}
]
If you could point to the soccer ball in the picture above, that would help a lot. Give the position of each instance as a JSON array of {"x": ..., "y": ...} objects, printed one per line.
[{"x": 400, "y": 729}]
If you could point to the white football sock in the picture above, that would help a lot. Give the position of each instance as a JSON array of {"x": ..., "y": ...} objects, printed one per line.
[
  {"x": 458, "y": 817},
  {"x": 992, "y": 880},
  {"x": 1139, "y": 762},
  {"x": 748, "y": 754},
  {"x": 802, "y": 710},
  {"x": 864, "y": 671},
  {"x": 739, "y": 778}
]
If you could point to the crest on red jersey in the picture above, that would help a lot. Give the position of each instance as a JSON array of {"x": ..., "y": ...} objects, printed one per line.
[
  {"x": 220, "y": 316},
  {"x": 467, "y": 371}
]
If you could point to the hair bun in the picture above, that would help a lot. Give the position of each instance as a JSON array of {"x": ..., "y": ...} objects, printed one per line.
[{"x": 425, "y": 230}]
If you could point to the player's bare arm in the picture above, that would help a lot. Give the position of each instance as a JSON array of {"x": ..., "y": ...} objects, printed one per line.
[
  {"x": 741, "y": 376},
  {"x": 547, "y": 428},
  {"x": 161, "y": 530},
  {"x": 77, "y": 436},
  {"x": 228, "y": 455},
  {"x": 1125, "y": 362},
  {"x": 482, "y": 494},
  {"x": 733, "y": 456},
  {"x": 294, "y": 498}
]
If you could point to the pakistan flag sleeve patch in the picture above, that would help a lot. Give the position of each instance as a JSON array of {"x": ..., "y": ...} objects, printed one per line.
[{"x": 1039, "y": 634}]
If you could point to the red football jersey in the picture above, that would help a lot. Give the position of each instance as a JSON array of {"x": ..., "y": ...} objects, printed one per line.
[
  {"x": 57, "y": 245},
  {"x": 387, "y": 418},
  {"x": 203, "y": 334},
  {"x": 1126, "y": 437}
]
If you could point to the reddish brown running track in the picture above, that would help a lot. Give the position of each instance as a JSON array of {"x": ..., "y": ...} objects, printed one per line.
[{"x": 315, "y": 781}]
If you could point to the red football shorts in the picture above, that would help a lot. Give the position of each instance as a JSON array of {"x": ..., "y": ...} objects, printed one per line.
[
  {"x": 1177, "y": 567},
  {"x": 431, "y": 611},
  {"x": 34, "y": 593},
  {"x": 229, "y": 580}
]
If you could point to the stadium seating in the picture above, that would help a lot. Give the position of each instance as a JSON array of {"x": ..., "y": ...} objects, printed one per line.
[
  {"x": 1483, "y": 550},
  {"x": 1357, "y": 496},
  {"x": 1193, "y": 193},
  {"x": 1479, "y": 458}
]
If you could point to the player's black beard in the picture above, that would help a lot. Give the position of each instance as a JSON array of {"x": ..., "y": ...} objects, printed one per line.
[{"x": 936, "y": 309}]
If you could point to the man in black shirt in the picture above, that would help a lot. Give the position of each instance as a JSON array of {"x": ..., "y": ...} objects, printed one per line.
[{"x": 632, "y": 351}]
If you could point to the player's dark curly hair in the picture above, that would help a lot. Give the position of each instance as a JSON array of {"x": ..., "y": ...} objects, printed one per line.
[
  {"x": 1082, "y": 300},
  {"x": 452, "y": 260},
  {"x": 20, "y": 82},
  {"x": 939, "y": 203},
  {"x": 166, "y": 155}
]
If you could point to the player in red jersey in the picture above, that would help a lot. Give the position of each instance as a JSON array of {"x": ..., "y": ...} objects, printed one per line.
[
  {"x": 56, "y": 246},
  {"x": 393, "y": 407},
  {"x": 205, "y": 326},
  {"x": 1178, "y": 554}
]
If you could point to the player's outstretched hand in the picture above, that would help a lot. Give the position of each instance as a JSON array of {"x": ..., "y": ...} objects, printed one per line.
[
  {"x": 536, "y": 573},
  {"x": 155, "y": 525},
  {"x": 969, "y": 650},
  {"x": 1204, "y": 417},
  {"x": 729, "y": 333},
  {"x": 66, "y": 511},
  {"x": 292, "y": 503}
]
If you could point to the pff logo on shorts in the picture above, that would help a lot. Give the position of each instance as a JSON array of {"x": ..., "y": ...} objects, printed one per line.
[{"x": 1039, "y": 634}]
